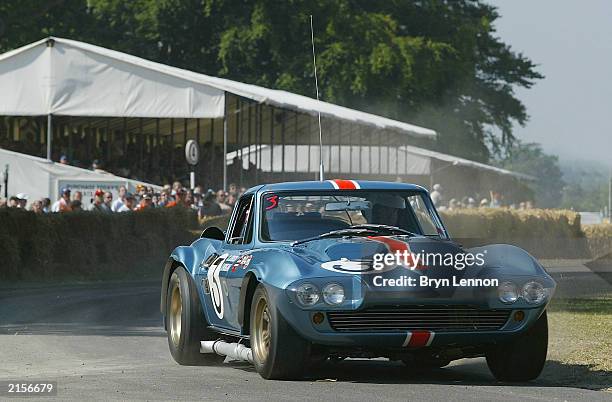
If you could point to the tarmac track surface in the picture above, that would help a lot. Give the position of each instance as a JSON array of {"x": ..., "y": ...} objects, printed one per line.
[{"x": 105, "y": 341}]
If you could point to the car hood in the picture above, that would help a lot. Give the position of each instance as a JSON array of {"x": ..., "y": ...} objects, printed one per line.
[
  {"x": 364, "y": 249},
  {"x": 354, "y": 256}
]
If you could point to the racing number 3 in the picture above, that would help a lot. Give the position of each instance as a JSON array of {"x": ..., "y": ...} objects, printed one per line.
[{"x": 272, "y": 202}]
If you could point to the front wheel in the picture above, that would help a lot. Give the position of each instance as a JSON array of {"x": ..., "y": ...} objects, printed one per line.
[
  {"x": 185, "y": 322},
  {"x": 279, "y": 353},
  {"x": 523, "y": 358}
]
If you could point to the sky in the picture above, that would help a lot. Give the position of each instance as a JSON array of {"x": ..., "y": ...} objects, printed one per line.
[{"x": 571, "y": 42}]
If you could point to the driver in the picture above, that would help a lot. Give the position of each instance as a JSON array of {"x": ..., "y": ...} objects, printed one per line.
[
  {"x": 386, "y": 209},
  {"x": 384, "y": 215}
]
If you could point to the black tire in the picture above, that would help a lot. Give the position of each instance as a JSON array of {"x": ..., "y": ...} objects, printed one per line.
[
  {"x": 287, "y": 353},
  {"x": 523, "y": 358},
  {"x": 185, "y": 344}
]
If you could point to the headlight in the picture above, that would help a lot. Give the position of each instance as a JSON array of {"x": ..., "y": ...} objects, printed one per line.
[
  {"x": 534, "y": 292},
  {"x": 307, "y": 294},
  {"x": 333, "y": 294},
  {"x": 507, "y": 292}
]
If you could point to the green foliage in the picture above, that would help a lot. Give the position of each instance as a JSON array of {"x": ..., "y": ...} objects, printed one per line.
[
  {"x": 530, "y": 159},
  {"x": 436, "y": 63},
  {"x": 25, "y": 21},
  {"x": 587, "y": 185}
]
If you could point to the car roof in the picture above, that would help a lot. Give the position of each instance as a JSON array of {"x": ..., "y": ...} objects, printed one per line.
[{"x": 336, "y": 184}]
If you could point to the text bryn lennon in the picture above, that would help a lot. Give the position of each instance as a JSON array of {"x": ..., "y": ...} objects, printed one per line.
[{"x": 425, "y": 281}]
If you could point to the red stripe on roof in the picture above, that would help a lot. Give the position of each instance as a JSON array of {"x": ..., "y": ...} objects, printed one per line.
[{"x": 345, "y": 184}]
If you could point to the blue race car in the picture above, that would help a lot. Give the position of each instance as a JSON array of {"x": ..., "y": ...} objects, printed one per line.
[{"x": 311, "y": 271}]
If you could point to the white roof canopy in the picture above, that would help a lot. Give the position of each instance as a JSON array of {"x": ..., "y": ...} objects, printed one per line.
[
  {"x": 40, "y": 178},
  {"x": 457, "y": 161},
  {"x": 405, "y": 160},
  {"x": 66, "y": 77}
]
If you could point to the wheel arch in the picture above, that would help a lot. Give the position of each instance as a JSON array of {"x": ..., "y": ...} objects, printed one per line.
[
  {"x": 169, "y": 268},
  {"x": 249, "y": 284},
  {"x": 184, "y": 256}
]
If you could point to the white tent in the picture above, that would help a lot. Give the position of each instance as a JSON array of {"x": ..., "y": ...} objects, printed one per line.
[
  {"x": 405, "y": 160},
  {"x": 416, "y": 152},
  {"x": 56, "y": 76},
  {"x": 40, "y": 178}
]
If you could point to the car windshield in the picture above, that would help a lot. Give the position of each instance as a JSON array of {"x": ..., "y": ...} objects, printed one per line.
[{"x": 293, "y": 216}]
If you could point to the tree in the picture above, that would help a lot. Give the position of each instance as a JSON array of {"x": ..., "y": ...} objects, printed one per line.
[
  {"x": 25, "y": 21},
  {"x": 530, "y": 159},
  {"x": 587, "y": 185},
  {"x": 436, "y": 63}
]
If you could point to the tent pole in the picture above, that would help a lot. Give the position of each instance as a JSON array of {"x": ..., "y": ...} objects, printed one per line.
[
  {"x": 610, "y": 198},
  {"x": 296, "y": 128},
  {"x": 49, "y": 136},
  {"x": 258, "y": 119},
  {"x": 239, "y": 124},
  {"x": 213, "y": 150},
  {"x": 339, "y": 147},
  {"x": 283, "y": 126},
  {"x": 350, "y": 134},
  {"x": 360, "y": 131},
  {"x": 309, "y": 142},
  {"x": 224, "y": 161},
  {"x": 271, "y": 140},
  {"x": 171, "y": 149}
]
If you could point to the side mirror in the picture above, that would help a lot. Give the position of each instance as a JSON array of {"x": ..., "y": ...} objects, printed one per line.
[{"x": 213, "y": 232}]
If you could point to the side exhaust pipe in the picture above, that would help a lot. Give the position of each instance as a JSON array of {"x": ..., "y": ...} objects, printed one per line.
[{"x": 236, "y": 351}]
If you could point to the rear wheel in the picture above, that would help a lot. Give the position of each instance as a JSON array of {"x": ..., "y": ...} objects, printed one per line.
[
  {"x": 523, "y": 358},
  {"x": 278, "y": 351},
  {"x": 185, "y": 322}
]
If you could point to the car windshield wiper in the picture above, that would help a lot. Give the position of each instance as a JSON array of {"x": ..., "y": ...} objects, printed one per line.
[
  {"x": 352, "y": 231},
  {"x": 384, "y": 228}
]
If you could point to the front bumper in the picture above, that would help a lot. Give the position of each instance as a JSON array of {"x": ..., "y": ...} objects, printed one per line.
[{"x": 301, "y": 320}]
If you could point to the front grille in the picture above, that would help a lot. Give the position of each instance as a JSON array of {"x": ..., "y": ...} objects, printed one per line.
[{"x": 432, "y": 318}]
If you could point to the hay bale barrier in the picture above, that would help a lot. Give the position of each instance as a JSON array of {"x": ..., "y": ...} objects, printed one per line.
[
  {"x": 599, "y": 240},
  {"x": 545, "y": 233},
  {"x": 93, "y": 246},
  {"x": 86, "y": 245}
]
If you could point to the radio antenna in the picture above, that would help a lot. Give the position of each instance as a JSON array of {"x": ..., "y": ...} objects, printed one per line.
[{"x": 314, "y": 62}]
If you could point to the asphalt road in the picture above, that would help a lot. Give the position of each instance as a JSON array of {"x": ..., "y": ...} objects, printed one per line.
[{"x": 105, "y": 341}]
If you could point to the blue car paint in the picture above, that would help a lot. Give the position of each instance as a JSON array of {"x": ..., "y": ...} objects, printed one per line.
[{"x": 279, "y": 266}]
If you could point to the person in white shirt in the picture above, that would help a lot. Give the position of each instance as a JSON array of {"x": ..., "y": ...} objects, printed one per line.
[
  {"x": 63, "y": 204},
  {"x": 23, "y": 200},
  {"x": 436, "y": 195},
  {"x": 128, "y": 205},
  {"x": 120, "y": 201}
]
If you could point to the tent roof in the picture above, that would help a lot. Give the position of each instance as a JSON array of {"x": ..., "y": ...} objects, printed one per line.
[
  {"x": 39, "y": 177},
  {"x": 62, "y": 170},
  {"x": 420, "y": 154},
  {"x": 457, "y": 161},
  {"x": 59, "y": 79}
]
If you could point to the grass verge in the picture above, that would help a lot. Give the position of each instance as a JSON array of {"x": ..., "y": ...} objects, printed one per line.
[{"x": 580, "y": 342}]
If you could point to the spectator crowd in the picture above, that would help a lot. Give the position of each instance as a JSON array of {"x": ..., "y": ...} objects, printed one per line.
[
  {"x": 206, "y": 203},
  {"x": 495, "y": 200}
]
